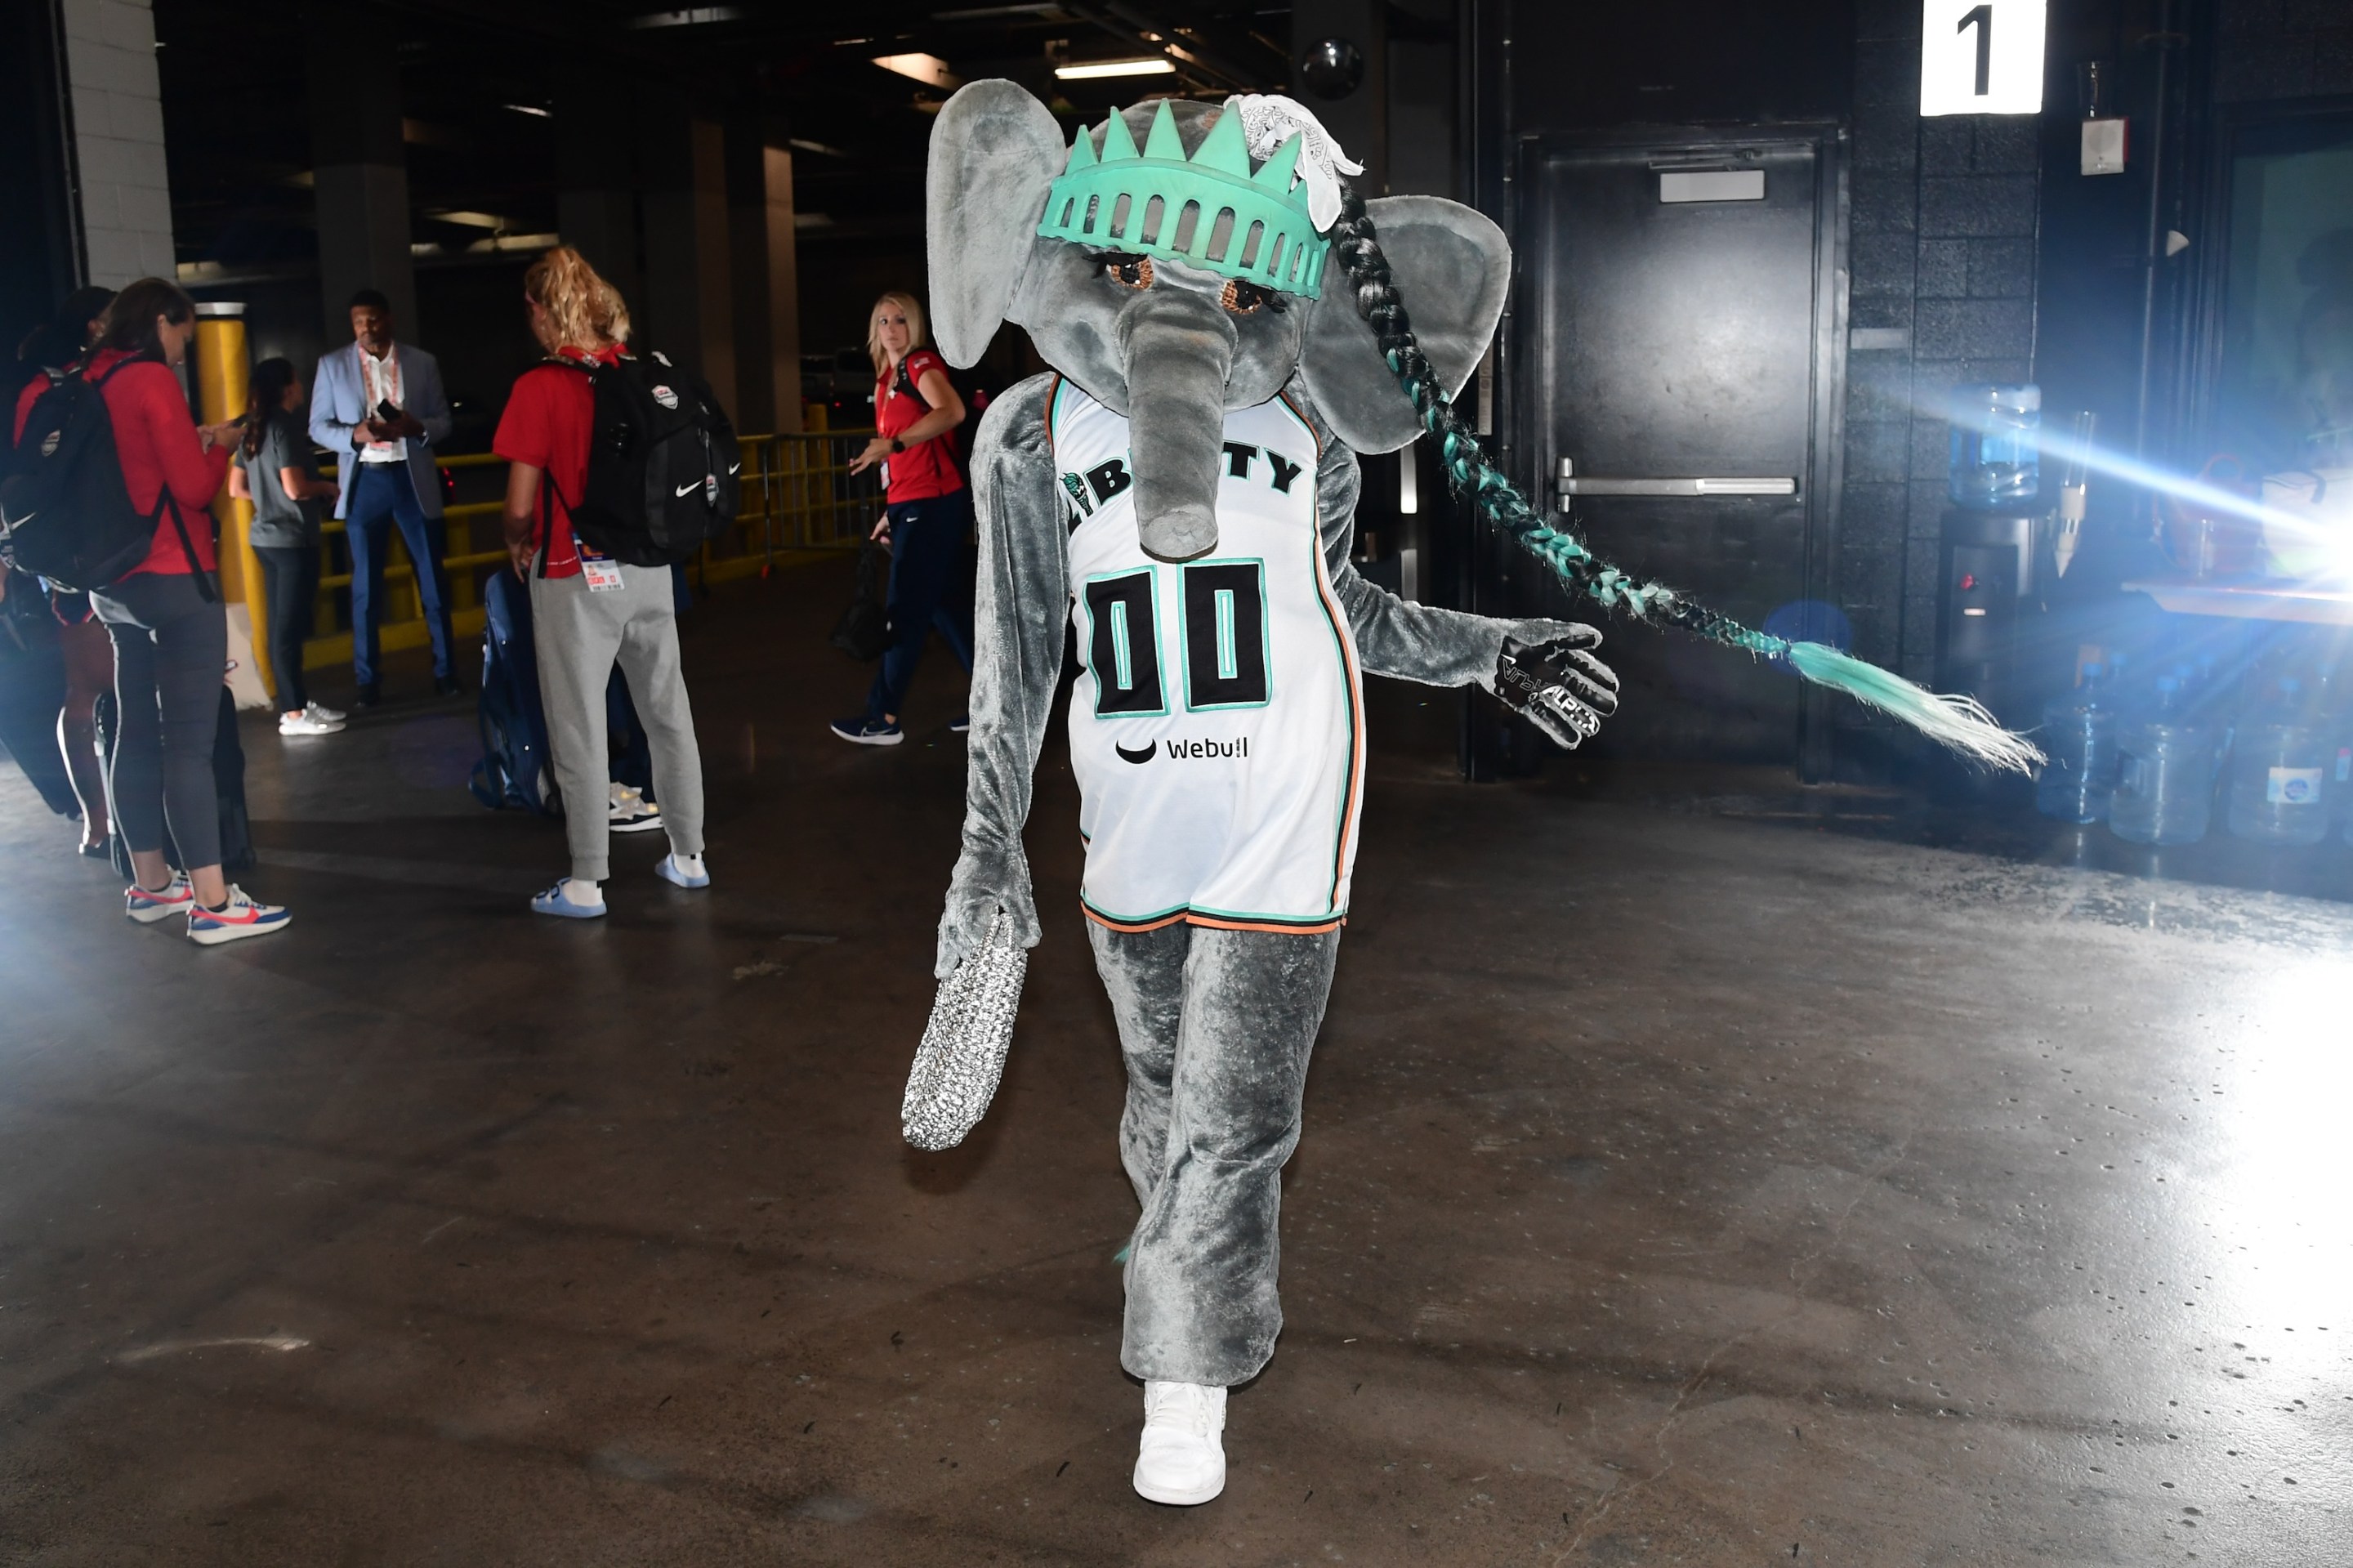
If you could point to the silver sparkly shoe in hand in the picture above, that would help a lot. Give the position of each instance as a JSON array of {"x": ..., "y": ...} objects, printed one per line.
[{"x": 963, "y": 1053}]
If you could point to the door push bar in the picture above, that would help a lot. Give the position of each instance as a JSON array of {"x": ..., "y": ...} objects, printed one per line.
[{"x": 1572, "y": 483}]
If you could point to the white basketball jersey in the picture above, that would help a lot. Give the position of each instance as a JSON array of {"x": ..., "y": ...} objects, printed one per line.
[{"x": 1216, "y": 728}]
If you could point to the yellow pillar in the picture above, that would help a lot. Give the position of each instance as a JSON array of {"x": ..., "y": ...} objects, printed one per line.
[{"x": 224, "y": 374}]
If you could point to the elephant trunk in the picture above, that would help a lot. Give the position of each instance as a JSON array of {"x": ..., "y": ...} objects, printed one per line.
[{"x": 1180, "y": 351}]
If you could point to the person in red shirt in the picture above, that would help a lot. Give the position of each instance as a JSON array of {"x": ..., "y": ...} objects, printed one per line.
[
  {"x": 170, "y": 631},
  {"x": 588, "y": 610},
  {"x": 916, "y": 411}
]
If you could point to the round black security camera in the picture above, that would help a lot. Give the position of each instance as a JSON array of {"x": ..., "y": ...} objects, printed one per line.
[{"x": 1331, "y": 67}]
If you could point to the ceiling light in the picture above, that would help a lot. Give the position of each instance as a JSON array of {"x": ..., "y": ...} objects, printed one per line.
[
  {"x": 929, "y": 70},
  {"x": 1156, "y": 65},
  {"x": 533, "y": 109},
  {"x": 692, "y": 16}
]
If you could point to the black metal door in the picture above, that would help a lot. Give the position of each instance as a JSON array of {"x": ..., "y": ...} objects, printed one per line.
[{"x": 1676, "y": 342}]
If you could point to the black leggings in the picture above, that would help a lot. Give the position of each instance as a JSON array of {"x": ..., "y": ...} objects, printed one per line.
[
  {"x": 170, "y": 651},
  {"x": 290, "y": 580}
]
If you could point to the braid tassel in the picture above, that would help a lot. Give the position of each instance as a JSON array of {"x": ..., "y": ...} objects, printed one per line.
[{"x": 1957, "y": 722}]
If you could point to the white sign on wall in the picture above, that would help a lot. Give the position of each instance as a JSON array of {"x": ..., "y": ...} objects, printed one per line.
[{"x": 1981, "y": 56}]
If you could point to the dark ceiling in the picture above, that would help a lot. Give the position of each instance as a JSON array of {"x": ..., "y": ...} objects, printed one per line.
[{"x": 477, "y": 81}]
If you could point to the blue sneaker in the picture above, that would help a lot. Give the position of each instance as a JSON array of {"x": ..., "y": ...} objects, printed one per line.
[
  {"x": 553, "y": 902},
  {"x": 864, "y": 731},
  {"x": 241, "y": 918},
  {"x": 670, "y": 871},
  {"x": 960, "y": 725}
]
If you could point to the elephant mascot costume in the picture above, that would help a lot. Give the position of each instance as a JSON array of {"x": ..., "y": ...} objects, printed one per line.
[{"x": 1181, "y": 489}]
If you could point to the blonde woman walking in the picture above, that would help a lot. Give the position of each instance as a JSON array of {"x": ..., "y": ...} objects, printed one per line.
[
  {"x": 916, "y": 411},
  {"x": 587, "y": 608}
]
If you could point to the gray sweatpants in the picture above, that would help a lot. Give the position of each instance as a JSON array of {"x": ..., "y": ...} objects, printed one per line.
[
  {"x": 1216, "y": 1027},
  {"x": 578, "y": 634}
]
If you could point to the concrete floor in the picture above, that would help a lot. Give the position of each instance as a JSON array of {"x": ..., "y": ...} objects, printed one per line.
[{"x": 1676, "y": 1188}]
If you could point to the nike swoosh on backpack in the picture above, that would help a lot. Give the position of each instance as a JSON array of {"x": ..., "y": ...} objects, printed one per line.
[{"x": 687, "y": 490}]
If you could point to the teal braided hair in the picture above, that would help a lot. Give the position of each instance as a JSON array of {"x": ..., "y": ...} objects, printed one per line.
[{"x": 1958, "y": 722}]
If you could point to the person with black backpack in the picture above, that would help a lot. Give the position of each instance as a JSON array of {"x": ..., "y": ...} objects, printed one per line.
[
  {"x": 107, "y": 491},
  {"x": 58, "y": 347},
  {"x": 620, "y": 464}
]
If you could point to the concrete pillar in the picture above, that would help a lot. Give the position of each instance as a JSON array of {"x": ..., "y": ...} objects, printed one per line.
[
  {"x": 766, "y": 282},
  {"x": 1360, "y": 122},
  {"x": 118, "y": 140},
  {"x": 689, "y": 301},
  {"x": 596, "y": 183},
  {"x": 360, "y": 168}
]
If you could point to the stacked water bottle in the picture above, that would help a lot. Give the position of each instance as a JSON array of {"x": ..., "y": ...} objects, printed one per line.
[{"x": 2151, "y": 757}]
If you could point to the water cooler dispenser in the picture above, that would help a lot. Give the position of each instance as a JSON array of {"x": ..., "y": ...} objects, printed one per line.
[{"x": 1989, "y": 553}]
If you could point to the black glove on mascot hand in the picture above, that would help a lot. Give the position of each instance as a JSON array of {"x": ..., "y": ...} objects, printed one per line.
[{"x": 1556, "y": 685}]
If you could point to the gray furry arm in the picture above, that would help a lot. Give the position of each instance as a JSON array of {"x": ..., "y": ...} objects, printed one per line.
[
  {"x": 1021, "y": 603},
  {"x": 1396, "y": 636}
]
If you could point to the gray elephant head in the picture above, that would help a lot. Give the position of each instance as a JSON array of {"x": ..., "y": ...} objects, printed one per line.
[{"x": 1178, "y": 278}]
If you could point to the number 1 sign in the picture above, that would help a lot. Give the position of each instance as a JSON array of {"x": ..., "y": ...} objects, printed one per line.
[{"x": 1981, "y": 56}]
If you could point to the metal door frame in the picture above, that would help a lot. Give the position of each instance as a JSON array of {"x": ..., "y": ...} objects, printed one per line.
[{"x": 1823, "y": 482}]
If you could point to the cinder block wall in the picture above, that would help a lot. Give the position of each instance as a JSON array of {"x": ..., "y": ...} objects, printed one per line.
[
  {"x": 1942, "y": 293},
  {"x": 118, "y": 131}
]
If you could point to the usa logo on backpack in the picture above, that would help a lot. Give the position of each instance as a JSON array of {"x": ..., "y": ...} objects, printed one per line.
[
  {"x": 64, "y": 510},
  {"x": 664, "y": 470}
]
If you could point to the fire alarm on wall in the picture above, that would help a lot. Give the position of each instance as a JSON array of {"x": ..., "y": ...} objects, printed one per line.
[{"x": 2104, "y": 146}]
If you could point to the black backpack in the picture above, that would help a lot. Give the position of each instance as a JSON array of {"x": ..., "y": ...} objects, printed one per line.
[
  {"x": 663, "y": 464},
  {"x": 63, "y": 506}
]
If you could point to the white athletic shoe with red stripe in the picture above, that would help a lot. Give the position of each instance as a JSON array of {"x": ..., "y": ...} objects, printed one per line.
[
  {"x": 149, "y": 905},
  {"x": 239, "y": 918}
]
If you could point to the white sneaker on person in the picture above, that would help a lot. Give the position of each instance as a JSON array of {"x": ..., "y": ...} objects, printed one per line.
[
  {"x": 321, "y": 711},
  {"x": 149, "y": 905},
  {"x": 1182, "y": 1459},
  {"x": 626, "y": 811},
  {"x": 243, "y": 916},
  {"x": 308, "y": 720}
]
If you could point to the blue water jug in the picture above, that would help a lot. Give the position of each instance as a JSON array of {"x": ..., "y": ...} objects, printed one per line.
[
  {"x": 1996, "y": 446},
  {"x": 2165, "y": 773},
  {"x": 2079, "y": 736},
  {"x": 2280, "y": 783}
]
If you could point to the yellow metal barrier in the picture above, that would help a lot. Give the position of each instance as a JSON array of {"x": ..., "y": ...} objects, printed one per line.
[{"x": 799, "y": 498}]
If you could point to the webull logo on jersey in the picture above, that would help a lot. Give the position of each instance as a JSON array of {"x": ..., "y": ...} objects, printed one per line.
[
  {"x": 1186, "y": 750},
  {"x": 1100, "y": 484}
]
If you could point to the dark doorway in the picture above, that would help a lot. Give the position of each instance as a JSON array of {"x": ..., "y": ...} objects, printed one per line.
[{"x": 1680, "y": 330}]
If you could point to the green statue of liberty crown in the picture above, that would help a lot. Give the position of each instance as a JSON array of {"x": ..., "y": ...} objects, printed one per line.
[{"x": 1208, "y": 210}]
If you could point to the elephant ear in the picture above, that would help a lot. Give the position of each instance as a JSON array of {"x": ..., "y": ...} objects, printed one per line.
[
  {"x": 995, "y": 149},
  {"x": 1452, "y": 268}
]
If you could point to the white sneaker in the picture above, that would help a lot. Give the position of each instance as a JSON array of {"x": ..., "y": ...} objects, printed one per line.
[
  {"x": 321, "y": 711},
  {"x": 1182, "y": 1459},
  {"x": 626, "y": 811},
  {"x": 243, "y": 916},
  {"x": 309, "y": 721}
]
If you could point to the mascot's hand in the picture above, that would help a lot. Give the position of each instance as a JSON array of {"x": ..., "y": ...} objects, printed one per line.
[
  {"x": 986, "y": 881},
  {"x": 1551, "y": 681}
]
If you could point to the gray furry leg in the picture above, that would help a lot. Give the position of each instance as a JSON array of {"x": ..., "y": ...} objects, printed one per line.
[
  {"x": 1144, "y": 971},
  {"x": 1202, "y": 1305}
]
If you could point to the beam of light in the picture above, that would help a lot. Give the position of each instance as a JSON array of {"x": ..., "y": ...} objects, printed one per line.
[
  {"x": 1157, "y": 65},
  {"x": 2332, "y": 541}
]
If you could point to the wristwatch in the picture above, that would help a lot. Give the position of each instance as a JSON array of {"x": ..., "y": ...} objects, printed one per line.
[{"x": 897, "y": 445}]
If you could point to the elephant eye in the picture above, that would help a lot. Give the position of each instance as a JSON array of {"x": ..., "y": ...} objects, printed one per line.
[
  {"x": 1128, "y": 271},
  {"x": 1248, "y": 299}
]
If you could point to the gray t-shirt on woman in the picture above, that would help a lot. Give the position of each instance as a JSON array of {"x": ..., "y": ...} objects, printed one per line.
[{"x": 279, "y": 523}]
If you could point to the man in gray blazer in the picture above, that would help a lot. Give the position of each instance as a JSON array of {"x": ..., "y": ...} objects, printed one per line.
[{"x": 388, "y": 476}]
